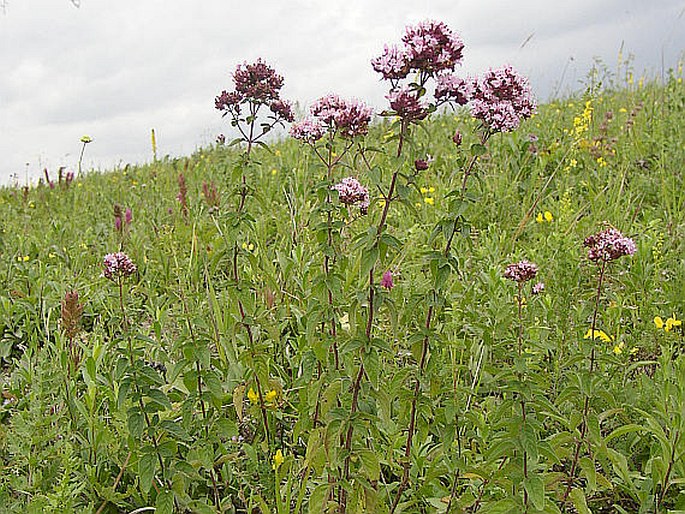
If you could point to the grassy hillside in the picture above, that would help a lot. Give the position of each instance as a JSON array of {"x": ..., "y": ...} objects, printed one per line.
[{"x": 240, "y": 368}]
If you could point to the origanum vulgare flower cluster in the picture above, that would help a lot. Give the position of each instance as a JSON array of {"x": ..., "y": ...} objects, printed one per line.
[
  {"x": 118, "y": 265},
  {"x": 333, "y": 115},
  {"x": 501, "y": 99},
  {"x": 351, "y": 192},
  {"x": 608, "y": 245},
  {"x": 522, "y": 271},
  {"x": 428, "y": 48},
  {"x": 257, "y": 84}
]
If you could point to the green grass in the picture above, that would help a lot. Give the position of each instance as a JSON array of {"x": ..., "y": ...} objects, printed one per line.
[{"x": 73, "y": 433}]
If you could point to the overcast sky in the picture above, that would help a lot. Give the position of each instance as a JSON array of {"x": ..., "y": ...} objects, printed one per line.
[{"x": 114, "y": 69}]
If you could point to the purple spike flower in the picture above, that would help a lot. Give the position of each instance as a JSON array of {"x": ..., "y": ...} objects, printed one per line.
[{"x": 387, "y": 280}]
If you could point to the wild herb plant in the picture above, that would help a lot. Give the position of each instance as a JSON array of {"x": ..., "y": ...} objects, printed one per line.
[{"x": 323, "y": 325}]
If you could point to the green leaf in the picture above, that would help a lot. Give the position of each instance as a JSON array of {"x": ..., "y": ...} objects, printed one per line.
[
  {"x": 147, "y": 465},
  {"x": 477, "y": 150},
  {"x": 165, "y": 502},
  {"x": 579, "y": 502},
  {"x": 535, "y": 488},
  {"x": 159, "y": 398},
  {"x": 369, "y": 258},
  {"x": 370, "y": 464},
  {"x": 136, "y": 423}
]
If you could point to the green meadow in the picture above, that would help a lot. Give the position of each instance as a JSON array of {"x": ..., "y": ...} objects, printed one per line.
[{"x": 254, "y": 362}]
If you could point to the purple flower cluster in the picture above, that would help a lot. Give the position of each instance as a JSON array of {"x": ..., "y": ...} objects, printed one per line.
[
  {"x": 501, "y": 99},
  {"x": 608, "y": 245},
  {"x": 450, "y": 88},
  {"x": 118, "y": 265},
  {"x": 332, "y": 114},
  {"x": 522, "y": 271},
  {"x": 351, "y": 192},
  {"x": 407, "y": 105},
  {"x": 258, "y": 84},
  {"x": 429, "y": 47}
]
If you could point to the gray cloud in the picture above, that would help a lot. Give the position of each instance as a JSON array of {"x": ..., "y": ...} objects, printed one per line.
[{"x": 114, "y": 70}]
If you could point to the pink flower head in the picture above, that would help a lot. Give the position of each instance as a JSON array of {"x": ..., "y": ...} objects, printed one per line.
[
  {"x": 407, "y": 105},
  {"x": 117, "y": 223},
  {"x": 608, "y": 245},
  {"x": 117, "y": 266},
  {"x": 393, "y": 64},
  {"x": 308, "y": 129},
  {"x": 257, "y": 82},
  {"x": 431, "y": 47},
  {"x": 69, "y": 177},
  {"x": 522, "y": 271},
  {"x": 351, "y": 192},
  {"x": 421, "y": 164},
  {"x": 282, "y": 110},
  {"x": 387, "y": 280},
  {"x": 450, "y": 88},
  {"x": 349, "y": 118},
  {"x": 128, "y": 216},
  {"x": 501, "y": 99},
  {"x": 456, "y": 138},
  {"x": 538, "y": 288}
]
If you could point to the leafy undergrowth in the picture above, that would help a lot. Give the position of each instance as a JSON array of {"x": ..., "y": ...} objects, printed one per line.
[{"x": 240, "y": 368}]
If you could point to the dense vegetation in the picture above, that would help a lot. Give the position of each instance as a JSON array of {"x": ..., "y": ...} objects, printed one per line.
[{"x": 277, "y": 350}]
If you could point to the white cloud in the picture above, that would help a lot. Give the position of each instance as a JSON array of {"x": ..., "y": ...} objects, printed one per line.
[{"x": 114, "y": 70}]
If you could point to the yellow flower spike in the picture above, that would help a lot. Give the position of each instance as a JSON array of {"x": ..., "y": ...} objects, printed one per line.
[
  {"x": 253, "y": 396},
  {"x": 429, "y": 200},
  {"x": 539, "y": 218},
  {"x": 658, "y": 322},
  {"x": 270, "y": 396},
  {"x": 548, "y": 217},
  {"x": 278, "y": 459},
  {"x": 618, "y": 348}
]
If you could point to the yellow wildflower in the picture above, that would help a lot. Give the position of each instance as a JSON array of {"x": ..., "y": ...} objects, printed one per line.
[
  {"x": 601, "y": 162},
  {"x": 539, "y": 218},
  {"x": 253, "y": 396},
  {"x": 548, "y": 217},
  {"x": 598, "y": 334},
  {"x": 277, "y": 460},
  {"x": 659, "y": 322},
  {"x": 429, "y": 200},
  {"x": 672, "y": 322},
  {"x": 618, "y": 348},
  {"x": 274, "y": 171},
  {"x": 247, "y": 246},
  {"x": 423, "y": 190},
  {"x": 270, "y": 396},
  {"x": 277, "y": 152},
  {"x": 22, "y": 258}
]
